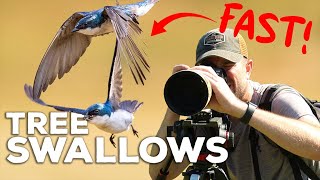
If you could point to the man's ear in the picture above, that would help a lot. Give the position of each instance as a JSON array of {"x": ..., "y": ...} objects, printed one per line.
[{"x": 249, "y": 66}]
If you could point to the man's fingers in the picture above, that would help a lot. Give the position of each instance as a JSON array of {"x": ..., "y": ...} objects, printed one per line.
[
  {"x": 206, "y": 74},
  {"x": 180, "y": 67},
  {"x": 205, "y": 68}
]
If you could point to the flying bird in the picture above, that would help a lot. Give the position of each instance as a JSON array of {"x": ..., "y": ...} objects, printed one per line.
[
  {"x": 113, "y": 116},
  {"x": 75, "y": 34}
]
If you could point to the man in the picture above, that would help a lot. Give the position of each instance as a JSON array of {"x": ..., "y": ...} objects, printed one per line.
[{"x": 290, "y": 124}]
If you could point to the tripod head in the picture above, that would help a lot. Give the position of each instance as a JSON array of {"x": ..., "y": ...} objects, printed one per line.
[{"x": 215, "y": 123}]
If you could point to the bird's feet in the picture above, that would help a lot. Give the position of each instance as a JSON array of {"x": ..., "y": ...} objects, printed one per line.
[
  {"x": 111, "y": 140},
  {"x": 117, "y": 3},
  {"x": 134, "y": 131}
]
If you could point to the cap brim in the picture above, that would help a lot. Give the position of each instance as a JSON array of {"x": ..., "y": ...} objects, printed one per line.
[{"x": 231, "y": 56}]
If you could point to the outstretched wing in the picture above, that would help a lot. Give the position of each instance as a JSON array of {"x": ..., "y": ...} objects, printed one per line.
[
  {"x": 29, "y": 92},
  {"x": 63, "y": 52},
  {"x": 127, "y": 30},
  {"x": 115, "y": 79}
]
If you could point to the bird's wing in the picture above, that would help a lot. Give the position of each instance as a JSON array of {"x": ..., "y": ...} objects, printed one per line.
[
  {"x": 130, "y": 105},
  {"x": 127, "y": 31},
  {"x": 29, "y": 92},
  {"x": 115, "y": 79},
  {"x": 63, "y": 52}
]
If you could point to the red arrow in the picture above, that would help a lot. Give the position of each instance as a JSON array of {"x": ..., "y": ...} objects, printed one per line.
[{"x": 158, "y": 27}]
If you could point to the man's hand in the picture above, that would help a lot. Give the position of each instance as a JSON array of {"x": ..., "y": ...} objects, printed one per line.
[{"x": 180, "y": 67}]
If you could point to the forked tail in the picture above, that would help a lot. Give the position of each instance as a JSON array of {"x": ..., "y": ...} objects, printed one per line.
[{"x": 130, "y": 106}]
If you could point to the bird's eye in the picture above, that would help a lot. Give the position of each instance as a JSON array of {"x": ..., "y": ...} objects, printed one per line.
[{"x": 94, "y": 112}]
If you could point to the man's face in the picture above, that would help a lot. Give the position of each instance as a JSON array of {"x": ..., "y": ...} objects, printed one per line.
[{"x": 236, "y": 73}]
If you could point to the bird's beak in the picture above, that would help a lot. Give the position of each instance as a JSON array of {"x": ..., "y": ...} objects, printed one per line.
[
  {"x": 75, "y": 30},
  {"x": 87, "y": 117}
]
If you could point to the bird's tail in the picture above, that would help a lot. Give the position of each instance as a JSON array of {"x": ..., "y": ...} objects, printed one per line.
[
  {"x": 130, "y": 106},
  {"x": 143, "y": 7},
  {"x": 153, "y": 1},
  {"x": 29, "y": 92}
]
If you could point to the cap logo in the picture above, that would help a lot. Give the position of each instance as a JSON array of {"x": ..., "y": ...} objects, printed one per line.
[{"x": 214, "y": 38}]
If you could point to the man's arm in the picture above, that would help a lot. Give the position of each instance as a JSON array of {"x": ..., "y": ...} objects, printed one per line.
[
  {"x": 301, "y": 137},
  {"x": 297, "y": 136},
  {"x": 175, "y": 168}
]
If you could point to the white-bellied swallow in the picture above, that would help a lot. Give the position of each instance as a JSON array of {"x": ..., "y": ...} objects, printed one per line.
[
  {"x": 75, "y": 34},
  {"x": 113, "y": 116}
]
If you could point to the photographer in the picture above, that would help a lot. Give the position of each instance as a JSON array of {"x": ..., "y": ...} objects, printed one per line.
[{"x": 290, "y": 124}]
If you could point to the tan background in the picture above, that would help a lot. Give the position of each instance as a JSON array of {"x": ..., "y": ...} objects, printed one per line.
[{"x": 27, "y": 27}]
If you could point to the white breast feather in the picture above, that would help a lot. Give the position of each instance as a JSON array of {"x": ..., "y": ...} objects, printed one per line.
[{"x": 119, "y": 121}]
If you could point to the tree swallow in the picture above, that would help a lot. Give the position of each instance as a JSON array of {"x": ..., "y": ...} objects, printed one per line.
[
  {"x": 75, "y": 34},
  {"x": 113, "y": 116}
]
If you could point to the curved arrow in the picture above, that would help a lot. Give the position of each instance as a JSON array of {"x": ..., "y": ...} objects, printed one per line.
[{"x": 158, "y": 27}]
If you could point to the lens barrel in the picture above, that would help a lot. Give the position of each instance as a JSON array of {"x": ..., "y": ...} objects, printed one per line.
[{"x": 187, "y": 92}]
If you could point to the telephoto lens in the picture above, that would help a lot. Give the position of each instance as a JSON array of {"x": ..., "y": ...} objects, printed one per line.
[{"x": 187, "y": 92}]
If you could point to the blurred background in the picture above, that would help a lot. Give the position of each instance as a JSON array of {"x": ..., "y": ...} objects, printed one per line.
[{"x": 29, "y": 26}]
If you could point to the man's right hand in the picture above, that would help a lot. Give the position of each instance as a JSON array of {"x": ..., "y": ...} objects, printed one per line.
[{"x": 180, "y": 67}]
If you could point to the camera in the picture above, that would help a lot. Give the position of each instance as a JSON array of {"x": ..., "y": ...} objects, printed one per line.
[
  {"x": 213, "y": 124},
  {"x": 187, "y": 92}
]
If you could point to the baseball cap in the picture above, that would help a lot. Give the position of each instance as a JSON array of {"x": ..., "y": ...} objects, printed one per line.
[{"x": 225, "y": 45}]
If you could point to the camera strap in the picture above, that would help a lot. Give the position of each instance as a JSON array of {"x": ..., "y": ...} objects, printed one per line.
[{"x": 253, "y": 137}]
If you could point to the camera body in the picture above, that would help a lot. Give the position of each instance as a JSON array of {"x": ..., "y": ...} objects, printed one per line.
[
  {"x": 187, "y": 92},
  {"x": 216, "y": 123}
]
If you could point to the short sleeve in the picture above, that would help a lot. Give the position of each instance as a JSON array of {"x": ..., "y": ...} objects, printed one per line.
[{"x": 289, "y": 103}]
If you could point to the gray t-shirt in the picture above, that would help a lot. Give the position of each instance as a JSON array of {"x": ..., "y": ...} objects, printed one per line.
[{"x": 272, "y": 163}]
